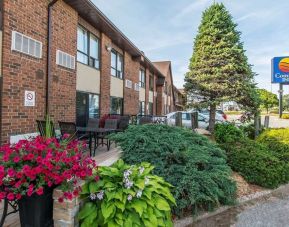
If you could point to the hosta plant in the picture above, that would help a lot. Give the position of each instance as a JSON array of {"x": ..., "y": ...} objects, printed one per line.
[{"x": 127, "y": 196}]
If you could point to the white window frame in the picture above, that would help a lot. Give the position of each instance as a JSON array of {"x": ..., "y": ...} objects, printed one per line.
[
  {"x": 63, "y": 65},
  {"x": 13, "y": 44}
]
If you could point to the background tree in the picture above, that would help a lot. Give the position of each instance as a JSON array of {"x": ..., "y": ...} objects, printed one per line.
[
  {"x": 219, "y": 69},
  {"x": 268, "y": 99},
  {"x": 286, "y": 102}
]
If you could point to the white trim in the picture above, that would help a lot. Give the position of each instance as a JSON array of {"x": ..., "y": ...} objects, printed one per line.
[
  {"x": 13, "y": 45},
  {"x": 70, "y": 58},
  {"x": 15, "y": 138},
  {"x": 136, "y": 87}
]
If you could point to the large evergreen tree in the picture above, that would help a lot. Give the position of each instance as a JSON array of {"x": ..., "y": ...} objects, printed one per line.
[{"x": 219, "y": 69}]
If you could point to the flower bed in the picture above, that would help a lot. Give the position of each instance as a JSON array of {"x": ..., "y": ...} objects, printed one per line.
[
  {"x": 27, "y": 167},
  {"x": 195, "y": 166}
]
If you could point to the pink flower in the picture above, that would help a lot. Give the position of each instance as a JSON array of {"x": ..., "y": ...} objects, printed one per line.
[
  {"x": 18, "y": 196},
  {"x": 39, "y": 191},
  {"x": 11, "y": 172},
  {"x": 16, "y": 159},
  {"x": 10, "y": 196},
  {"x": 60, "y": 200},
  {"x": 2, "y": 195},
  {"x": 2, "y": 169}
]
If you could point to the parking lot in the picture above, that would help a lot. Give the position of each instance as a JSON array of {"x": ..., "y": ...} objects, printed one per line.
[{"x": 274, "y": 121}]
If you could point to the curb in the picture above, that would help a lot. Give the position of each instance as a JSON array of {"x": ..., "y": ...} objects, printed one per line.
[{"x": 227, "y": 215}]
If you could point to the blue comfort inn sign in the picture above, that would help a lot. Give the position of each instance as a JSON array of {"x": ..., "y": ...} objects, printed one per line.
[{"x": 280, "y": 70}]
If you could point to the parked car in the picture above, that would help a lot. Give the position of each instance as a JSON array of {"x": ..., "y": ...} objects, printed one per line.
[
  {"x": 203, "y": 121},
  {"x": 220, "y": 115}
]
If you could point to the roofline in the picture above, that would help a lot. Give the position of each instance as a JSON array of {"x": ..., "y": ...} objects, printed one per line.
[{"x": 84, "y": 7}]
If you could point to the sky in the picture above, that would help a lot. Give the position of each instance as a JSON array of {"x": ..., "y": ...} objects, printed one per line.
[{"x": 165, "y": 30}]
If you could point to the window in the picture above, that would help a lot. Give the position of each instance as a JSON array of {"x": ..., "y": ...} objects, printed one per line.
[
  {"x": 93, "y": 102},
  {"x": 116, "y": 64},
  {"x": 151, "y": 112},
  {"x": 116, "y": 105},
  {"x": 166, "y": 88},
  {"x": 65, "y": 60},
  {"x": 151, "y": 82},
  {"x": 142, "y": 108},
  {"x": 87, "y": 106},
  {"x": 142, "y": 77},
  {"x": 87, "y": 48},
  {"x": 26, "y": 45},
  {"x": 128, "y": 83}
]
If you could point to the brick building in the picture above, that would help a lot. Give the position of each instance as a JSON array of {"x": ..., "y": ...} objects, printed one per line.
[{"x": 74, "y": 64}]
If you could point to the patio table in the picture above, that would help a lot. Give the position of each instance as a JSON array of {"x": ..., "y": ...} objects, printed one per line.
[{"x": 97, "y": 133}]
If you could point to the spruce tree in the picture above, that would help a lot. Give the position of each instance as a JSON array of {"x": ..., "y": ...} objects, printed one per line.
[{"x": 219, "y": 69}]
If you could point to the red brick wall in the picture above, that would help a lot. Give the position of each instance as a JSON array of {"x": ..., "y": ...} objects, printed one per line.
[
  {"x": 64, "y": 33},
  {"x": 22, "y": 72},
  {"x": 147, "y": 89},
  {"x": 105, "y": 75},
  {"x": 131, "y": 97}
]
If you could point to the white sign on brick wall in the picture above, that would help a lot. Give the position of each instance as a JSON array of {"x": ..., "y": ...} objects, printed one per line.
[{"x": 29, "y": 99}]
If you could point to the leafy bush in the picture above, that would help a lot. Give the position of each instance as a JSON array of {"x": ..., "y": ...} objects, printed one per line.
[
  {"x": 277, "y": 140},
  {"x": 254, "y": 161},
  {"x": 257, "y": 165},
  {"x": 126, "y": 196},
  {"x": 285, "y": 116},
  {"x": 190, "y": 162},
  {"x": 227, "y": 133}
]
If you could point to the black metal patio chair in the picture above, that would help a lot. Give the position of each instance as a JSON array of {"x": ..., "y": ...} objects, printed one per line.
[{"x": 69, "y": 128}]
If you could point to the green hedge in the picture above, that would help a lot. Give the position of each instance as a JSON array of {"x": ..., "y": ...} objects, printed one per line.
[
  {"x": 227, "y": 133},
  {"x": 257, "y": 164},
  {"x": 195, "y": 166},
  {"x": 277, "y": 140},
  {"x": 263, "y": 162}
]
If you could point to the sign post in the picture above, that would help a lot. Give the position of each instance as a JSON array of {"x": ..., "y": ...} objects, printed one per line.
[{"x": 280, "y": 75}]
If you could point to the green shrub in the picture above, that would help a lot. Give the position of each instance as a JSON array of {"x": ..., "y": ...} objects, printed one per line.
[
  {"x": 257, "y": 164},
  {"x": 285, "y": 116},
  {"x": 277, "y": 140},
  {"x": 248, "y": 130},
  {"x": 227, "y": 133},
  {"x": 195, "y": 167},
  {"x": 126, "y": 196}
]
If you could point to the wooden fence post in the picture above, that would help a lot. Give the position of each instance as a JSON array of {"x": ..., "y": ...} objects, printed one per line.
[
  {"x": 194, "y": 120},
  {"x": 179, "y": 119}
]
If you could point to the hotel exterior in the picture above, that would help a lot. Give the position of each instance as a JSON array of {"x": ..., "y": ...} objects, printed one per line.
[{"x": 65, "y": 58}]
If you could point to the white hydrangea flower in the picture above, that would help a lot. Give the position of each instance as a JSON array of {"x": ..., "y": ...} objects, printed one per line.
[
  {"x": 129, "y": 197},
  {"x": 147, "y": 180},
  {"x": 128, "y": 184},
  {"x": 139, "y": 193},
  {"x": 92, "y": 196},
  {"x": 141, "y": 170},
  {"x": 100, "y": 195},
  {"x": 127, "y": 173}
]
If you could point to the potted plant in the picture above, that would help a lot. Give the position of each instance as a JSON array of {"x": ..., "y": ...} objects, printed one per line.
[
  {"x": 31, "y": 169},
  {"x": 125, "y": 195}
]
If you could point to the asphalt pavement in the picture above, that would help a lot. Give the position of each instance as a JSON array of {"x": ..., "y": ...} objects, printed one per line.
[
  {"x": 274, "y": 121},
  {"x": 273, "y": 213}
]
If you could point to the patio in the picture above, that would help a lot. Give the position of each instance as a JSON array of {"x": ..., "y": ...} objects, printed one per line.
[{"x": 102, "y": 157}]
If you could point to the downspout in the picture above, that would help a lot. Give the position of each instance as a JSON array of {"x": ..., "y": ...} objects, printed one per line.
[
  {"x": 1, "y": 62},
  {"x": 49, "y": 45}
]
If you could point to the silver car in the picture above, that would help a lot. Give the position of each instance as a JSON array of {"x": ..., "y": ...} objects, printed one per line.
[{"x": 203, "y": 121}]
